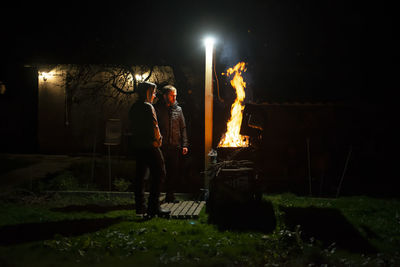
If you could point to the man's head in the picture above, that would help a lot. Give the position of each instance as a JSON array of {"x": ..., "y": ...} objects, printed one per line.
[
  {"x": 146, "y": 91},
  {"x": 169, "y": 93}
]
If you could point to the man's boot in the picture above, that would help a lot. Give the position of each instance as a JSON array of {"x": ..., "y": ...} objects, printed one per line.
[
  {"x": 140, "y": 205},
  {"x": 155, "y": 209},
  {"x": 160, "y": 212},
  {"x": 140, "y": 208}
]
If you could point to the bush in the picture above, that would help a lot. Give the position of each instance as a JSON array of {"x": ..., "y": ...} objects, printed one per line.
[
  {"x": 121, "y": 184},
  {"x": 64, "y": 181}
]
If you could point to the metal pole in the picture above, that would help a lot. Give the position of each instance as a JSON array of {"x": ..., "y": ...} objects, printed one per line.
[
  {"x": 208, "y": 110},
  {"x": 109, "y": 169},
  {"x": 93, "y": 156},
  {"x": 309, "y": 165},
  {"x": 344, "y": 170}
]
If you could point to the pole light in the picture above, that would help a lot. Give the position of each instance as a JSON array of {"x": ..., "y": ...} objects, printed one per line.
[{"x": 208, "y": 105}]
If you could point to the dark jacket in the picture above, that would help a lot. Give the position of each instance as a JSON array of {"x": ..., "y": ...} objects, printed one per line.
[
  {"x": 144, "y": 126},
  {"x": 172, "y": 124}
]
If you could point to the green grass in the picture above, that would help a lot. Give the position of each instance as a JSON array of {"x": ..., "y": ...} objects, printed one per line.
[
  {"x": 132, "y": 241},
  {"x": 378, "y": 220}
]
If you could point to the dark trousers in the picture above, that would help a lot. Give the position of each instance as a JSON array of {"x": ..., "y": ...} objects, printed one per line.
[
  {"x": 152, "y": 160},
  {"x": 172, "y": 155}
]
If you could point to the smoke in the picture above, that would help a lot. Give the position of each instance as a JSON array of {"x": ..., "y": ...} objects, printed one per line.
[{"x": 227, "y": 57}]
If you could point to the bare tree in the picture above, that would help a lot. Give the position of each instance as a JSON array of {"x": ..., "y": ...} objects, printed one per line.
[{"x": 102, "y": 83}]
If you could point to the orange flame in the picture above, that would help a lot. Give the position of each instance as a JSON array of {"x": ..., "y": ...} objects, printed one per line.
[{"x": 232, "y": 138}]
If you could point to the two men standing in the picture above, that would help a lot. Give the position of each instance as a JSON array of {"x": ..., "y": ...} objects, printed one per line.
[{"x": 150, "y": 132}]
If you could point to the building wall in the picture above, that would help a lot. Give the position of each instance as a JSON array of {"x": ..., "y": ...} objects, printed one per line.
[
  {"x": 72, "y": 118},
  {"x": 53, "y": 131}
]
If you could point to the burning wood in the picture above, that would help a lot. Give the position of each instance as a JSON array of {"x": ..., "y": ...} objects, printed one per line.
[{"x": 232, "y": 138}]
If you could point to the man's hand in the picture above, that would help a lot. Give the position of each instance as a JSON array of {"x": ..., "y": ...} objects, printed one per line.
[
  {"x": 157, "y": 143},
  {"x": 185, "y": 150}
]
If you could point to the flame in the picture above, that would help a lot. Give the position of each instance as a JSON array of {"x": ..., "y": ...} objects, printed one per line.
[{"x": 232, "y": 138}]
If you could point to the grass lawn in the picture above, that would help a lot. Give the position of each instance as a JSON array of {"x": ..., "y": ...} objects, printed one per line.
[{"x": 42, "y": 230}]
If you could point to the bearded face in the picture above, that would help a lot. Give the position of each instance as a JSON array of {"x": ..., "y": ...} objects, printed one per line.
[{"x": 170, "y": 97}]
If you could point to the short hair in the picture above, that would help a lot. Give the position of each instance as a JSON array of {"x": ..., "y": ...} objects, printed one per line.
[
  {"x": 143, "y": 87},
  {"x": 168, "y": 88}
]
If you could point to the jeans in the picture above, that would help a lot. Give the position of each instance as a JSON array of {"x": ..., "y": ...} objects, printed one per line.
[
  {"x": 172, "y": 160},
  {"x": 149, "y": 159}
]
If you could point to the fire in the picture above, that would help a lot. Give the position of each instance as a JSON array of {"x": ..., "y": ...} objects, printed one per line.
[{"x": 232, "y": 138}]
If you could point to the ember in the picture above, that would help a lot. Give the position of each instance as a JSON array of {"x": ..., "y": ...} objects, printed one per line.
[{"x": 232, "y": 138}]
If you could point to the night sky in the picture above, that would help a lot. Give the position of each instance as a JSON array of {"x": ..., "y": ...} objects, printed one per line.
[{"x": 295, "y": 50}]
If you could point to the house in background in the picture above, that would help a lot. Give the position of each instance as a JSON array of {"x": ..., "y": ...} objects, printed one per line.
[{"x": 64, "y": 109}]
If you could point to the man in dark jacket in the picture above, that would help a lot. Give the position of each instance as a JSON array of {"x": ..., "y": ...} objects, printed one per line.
[
  {"x": 146, "y": 141},
  {"x": 173, "y": 129}
]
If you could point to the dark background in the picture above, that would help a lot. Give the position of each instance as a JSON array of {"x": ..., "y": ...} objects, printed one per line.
[{"x": 295, "y": 50}]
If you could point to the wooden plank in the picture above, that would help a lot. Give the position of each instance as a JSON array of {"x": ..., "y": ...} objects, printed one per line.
[
  {"x": 178, "y": 209},
  {"x": 186, "y": 208},
  {"x": 192, "y": 209},
  {"x": 176, "y": 212},
  {"x": 174, "y": 207},
  {"x": 198, "y": 209}
]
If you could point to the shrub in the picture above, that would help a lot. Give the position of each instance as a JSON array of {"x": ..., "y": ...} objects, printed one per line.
[
  {"x": 64, "y": 181},
  {"x": 121, "y": 184}
]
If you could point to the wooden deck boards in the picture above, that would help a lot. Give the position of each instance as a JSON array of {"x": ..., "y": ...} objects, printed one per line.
[{"x": 184, "y": 209}]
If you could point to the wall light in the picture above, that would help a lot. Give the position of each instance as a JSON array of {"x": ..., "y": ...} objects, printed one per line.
[
  {"x": 141, "y": 77},
  {"x": 2, "y": 88},
  {"x": 138, "y": 77},
  {"x": 45, "y": 75}
]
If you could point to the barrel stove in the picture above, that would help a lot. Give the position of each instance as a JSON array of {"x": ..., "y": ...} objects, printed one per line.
[{"x": 233, "y": 181}]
